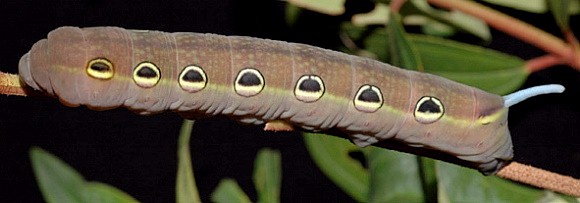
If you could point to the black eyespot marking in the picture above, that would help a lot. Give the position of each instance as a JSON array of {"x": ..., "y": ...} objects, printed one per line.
[
  {"x": 309, "y": 88},
  {"x": 249, "y": 82},
  {"x": 146, "y": 72},
  {"x": 249, "y": 79},
  {"x": 192, "y": 79},
  {"x": 369, "y": 95},
  {"x": 368, "y": 99},
  {"x": 100, "y": 68},
  {"x": 429, "y": 106},
  {"x": 428, "y": 110},
  {"x": 146, "y": 75},
  {"x": 310, "y": 85},
  {"x": 192, "y": 76}
]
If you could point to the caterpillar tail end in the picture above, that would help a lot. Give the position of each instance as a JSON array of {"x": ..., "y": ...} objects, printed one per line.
[{"x": 519, "y": 96}]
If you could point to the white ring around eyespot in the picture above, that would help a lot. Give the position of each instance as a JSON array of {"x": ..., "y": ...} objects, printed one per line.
[
  {"x": 248, "y": 91},
  {"x": 366, "y": 106},
  {"x": 428, "y": 117},
  {"x": 189, "y": 86},
  {"x": 102, "y": 75},
  {"x": 306, "y": 96},
  {"x": 146, "y": 82}
]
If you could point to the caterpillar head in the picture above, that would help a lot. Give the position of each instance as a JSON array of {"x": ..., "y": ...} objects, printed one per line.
[
  {"x": 97, "y": 67},
  {"x": 76, "y": 68}
]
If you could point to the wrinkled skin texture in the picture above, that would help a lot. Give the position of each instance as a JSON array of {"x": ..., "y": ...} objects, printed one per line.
[{"x": 472, "y": 127}]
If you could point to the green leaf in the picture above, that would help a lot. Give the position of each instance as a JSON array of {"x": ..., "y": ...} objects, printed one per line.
[
  {"x": 402, "y": 52},
  {"x": 331, "y": 155},
  {"x": 559, "y": 9},
  {"x": 457, "y": 184},
  {"x": 268, "y": 175},
  {"x": 455, "y": 19},
  {"x": 329, "y": 7},
  {"x": 394, "y": 176},
  {"x": 552, "y": 197},
  {"x": 185, "y": 188},
  {"x": 476, "y": 66},
  {"x": 229, "y": 191},
  {"x": 427, "y": 169},
  {"x": 574, "y": 8},
  {"x": 435, "y": 28},
  {"x": 486, "y": 69},
  {"x": 99, "y": 192},
  {"x": 378, "y": 16},
  {"x": 59, "y": 182},
  {"x": 292, "y": 13},
  {"x": 533, "y": 6},
  {"x": 374, "y": 45}
]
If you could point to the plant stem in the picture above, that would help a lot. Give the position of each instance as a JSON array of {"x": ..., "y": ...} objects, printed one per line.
[
  {"x": 515, "y": 28},
  {"x": 541, "y": 178},
  {"x": 542, "y": 62},
  {"x": 575, "y": 53},
  {"x": 10, "y": 85}
]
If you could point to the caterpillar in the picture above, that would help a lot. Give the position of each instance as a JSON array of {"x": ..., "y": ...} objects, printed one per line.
[{"x": 261, "y": 81}]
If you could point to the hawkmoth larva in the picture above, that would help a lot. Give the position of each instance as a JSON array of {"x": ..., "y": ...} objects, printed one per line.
[{"x": 257, "y": 80}]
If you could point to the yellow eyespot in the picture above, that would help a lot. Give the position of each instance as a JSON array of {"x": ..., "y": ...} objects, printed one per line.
[
  {"x": 309, "y": 88},
  {"x": 146, "y": 75},
  {"x": 428, "y": 110},
  {"x": 100, "y": 68},
  {"x": 249, "y": 82},
  {"x": 368, "y": 99},
  {"x": 192, "y": 79}
]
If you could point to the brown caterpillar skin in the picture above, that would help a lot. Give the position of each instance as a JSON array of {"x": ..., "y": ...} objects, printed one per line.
[{"x": 473, "y": 125}]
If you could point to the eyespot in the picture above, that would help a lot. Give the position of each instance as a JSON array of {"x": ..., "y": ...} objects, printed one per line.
[
  {"x": 428, "y": 110},
  {"x": 249, "y": 82},
  {"x": 100, "y": 68},
  {"x": 146, "y": 75},
  {"x": 368, "y": 99},
  {"x": 192, "y": 79},
  {"x": 309, "y": 88}
]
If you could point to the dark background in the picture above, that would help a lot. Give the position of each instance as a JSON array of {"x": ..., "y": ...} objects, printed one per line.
[{"x": 138, "y": 154}]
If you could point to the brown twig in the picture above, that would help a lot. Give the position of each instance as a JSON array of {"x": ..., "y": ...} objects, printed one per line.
[
  {"x": 541, "y": 178},
  {"x": 575, "y": 51},
  {"x": 396, "y": 5},
  {"x": 542, "y": 62},
  {"x": 515, "y": 28}
]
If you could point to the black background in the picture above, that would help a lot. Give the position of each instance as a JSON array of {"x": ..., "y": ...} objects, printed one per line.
[{"x": 138, "y": 154}]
